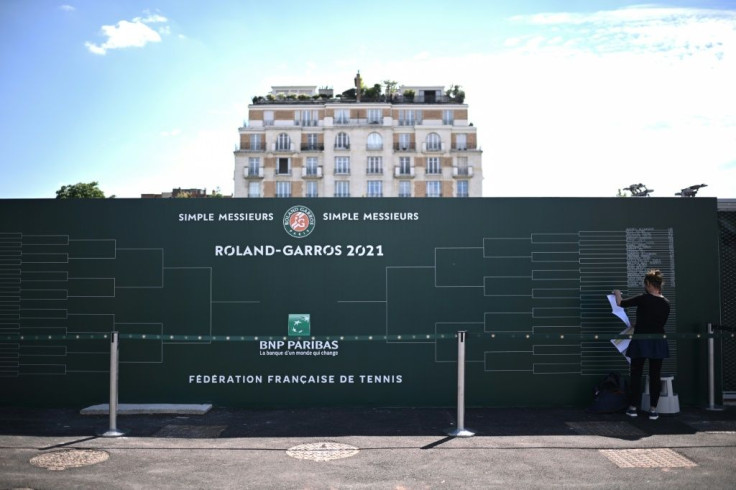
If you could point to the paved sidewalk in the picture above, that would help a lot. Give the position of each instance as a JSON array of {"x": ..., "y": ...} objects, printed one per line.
[{"x": 367, "y": 448}]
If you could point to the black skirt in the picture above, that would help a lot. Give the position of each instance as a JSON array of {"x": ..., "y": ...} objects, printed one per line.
[{"x": 648, "y": 348}]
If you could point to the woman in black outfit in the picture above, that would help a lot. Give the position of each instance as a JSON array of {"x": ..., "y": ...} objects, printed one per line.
[{"x": 652, "y": 311}]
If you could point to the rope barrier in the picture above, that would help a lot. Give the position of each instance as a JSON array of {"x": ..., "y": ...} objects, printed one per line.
[{"x": 487, "y": 336}]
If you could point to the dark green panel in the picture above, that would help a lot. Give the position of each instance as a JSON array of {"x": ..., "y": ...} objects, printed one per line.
[{"x": 201, "y": 292}]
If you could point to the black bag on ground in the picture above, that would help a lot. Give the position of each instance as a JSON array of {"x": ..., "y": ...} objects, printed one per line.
[{"x": 609, "y": 395}]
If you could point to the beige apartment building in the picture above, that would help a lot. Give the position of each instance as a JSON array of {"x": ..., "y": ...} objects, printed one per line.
[{"x": 416, "y": 141}]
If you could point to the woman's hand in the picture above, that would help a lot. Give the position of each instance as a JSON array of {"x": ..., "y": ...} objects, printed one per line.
[{"x": 617, "y": 294}]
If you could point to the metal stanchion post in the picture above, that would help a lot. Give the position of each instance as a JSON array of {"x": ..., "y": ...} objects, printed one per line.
[
  {"x": 460, "y": 430},
  {"x": 113, "y": 430},
  {"x": 711, "y": 372}
]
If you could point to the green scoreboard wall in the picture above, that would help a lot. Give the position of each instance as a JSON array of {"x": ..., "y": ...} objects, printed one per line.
[{"x": 353, "y": 302}]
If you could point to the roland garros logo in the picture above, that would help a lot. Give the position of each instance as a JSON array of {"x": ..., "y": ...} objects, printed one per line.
[{"x": 299, "y": 221}]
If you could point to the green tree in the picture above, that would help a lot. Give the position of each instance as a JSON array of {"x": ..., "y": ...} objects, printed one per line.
[
  {"x": 390, "y": 87},
  {"x": 80, "y": 191}
]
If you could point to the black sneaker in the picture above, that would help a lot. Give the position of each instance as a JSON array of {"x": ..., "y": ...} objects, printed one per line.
[
  {"x": 631, "y": 412},
  {"x": 653, "y": 415}
]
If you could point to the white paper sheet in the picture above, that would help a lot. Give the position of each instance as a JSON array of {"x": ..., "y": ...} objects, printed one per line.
[{"x": 621, "y": 344}]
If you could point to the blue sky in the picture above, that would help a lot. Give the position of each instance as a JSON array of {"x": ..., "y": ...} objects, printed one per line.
[{"x": 570, "y": 98}]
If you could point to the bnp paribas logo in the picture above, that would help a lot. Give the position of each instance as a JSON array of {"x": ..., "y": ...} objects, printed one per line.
[
  {"x": 299, "y": 325},
  {"x": 299, "y": 221}
]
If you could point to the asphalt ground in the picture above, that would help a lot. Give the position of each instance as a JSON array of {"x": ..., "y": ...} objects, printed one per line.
[{"x": 387, "y": 448}]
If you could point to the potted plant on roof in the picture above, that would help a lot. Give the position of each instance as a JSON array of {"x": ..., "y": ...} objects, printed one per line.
[
  {"x": 455, "y": 94},
  {"x": 409, "y": 95}
]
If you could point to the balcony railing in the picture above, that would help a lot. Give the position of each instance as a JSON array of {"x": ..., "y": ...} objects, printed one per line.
[
  {"x": 374, "y": 171},
  {"x": 357, "y": 122},
  {"x": 396, "y": 99},
  {"x": 410, "y": 122},
  {"x": 278, "y": 147},
  {"x": 462, "y": 171},
  {"x": 253, "y": 173},
  {"x": 342, "y": 146},
  {"x": 374, "y": 147},
  {"x": 404, "y": 172},
  {"x": 283, "y": 194},
  {"x": 305, "y": 123},
  {"x": 248, "y": 148},
  {"x": 465, "y": 147},
  {"x": 313, "y": 147},
  {"x": 405, "y": 146},
  {"x": 312, "y": 172},
  {"x": 431, "y": 148}
]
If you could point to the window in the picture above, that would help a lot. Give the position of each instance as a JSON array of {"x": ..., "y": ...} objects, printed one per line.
[
  {"x": 375, "y": 142},
  {"x": 342, "y": 165},
  {"x": 434, "y": 142},
  {"x": 254, "y": 189},
  {"x": 404, "y": 141},
  {"x": 283, "y": 142},
  {"x": 342, "y": 116},
  {"x": 375, "y": 188},
  {"x": 410, "y": 117},
  {"x": 433, "y": 165},
  {"x": 462, "y": 166},
  {"x": 375, "y": 116},
  {"x": 268, "y": 118},
  {"x": 434, "y": 188},
  {"x": 311, "y": 166},
  {"x": 283, "y": 189},
  {"x": 461, "y": 141},
  {"x": 312, "y": 141},
  {"x": 311, "y": 190},
  {"x": 404, "y": 166},
  {"x": 283, "y": 166},
  {"x": 254, "y": 166},
  {"x": 308, "y": 118},
  {"x": 462, "y": 188},
  {"x": 375, "y": 165},
  {"x": 342, "y": 188},
  {"x": 255, "y": 142},
  {"x": 448, "y": 117},
  {"x": 342, "y": 141},
  {"x": 405, "y": 188}
]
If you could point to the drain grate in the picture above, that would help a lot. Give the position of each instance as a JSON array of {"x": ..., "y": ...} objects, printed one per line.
[
  {"x": 69, "y": 458},
  {"x": 322, "y": 451},
  {"x": 191, "y": 431},
  {"x": 647, "y": 458},
  {"x": 607, "y": 429}
]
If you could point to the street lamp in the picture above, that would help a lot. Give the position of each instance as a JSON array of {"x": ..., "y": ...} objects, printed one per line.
[
  {"x": 690, "y": 191},
  {"x": 639, "y": 190}
]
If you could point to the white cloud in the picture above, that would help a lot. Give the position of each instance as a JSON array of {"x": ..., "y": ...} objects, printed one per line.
[
  {"x": 173, "y": 132},
  {"x": 602, "y": 101},
  {"x": 589, "y": 103},
  {"x": 67, "y": 8},
  {"x": 126, "y": 34}
]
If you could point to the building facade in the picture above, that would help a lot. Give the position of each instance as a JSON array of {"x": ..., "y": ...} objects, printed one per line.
[{"x": 301, "y": 141}]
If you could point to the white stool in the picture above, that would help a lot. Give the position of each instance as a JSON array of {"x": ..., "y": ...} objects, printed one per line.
[{"x": 668, "y": 402}]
